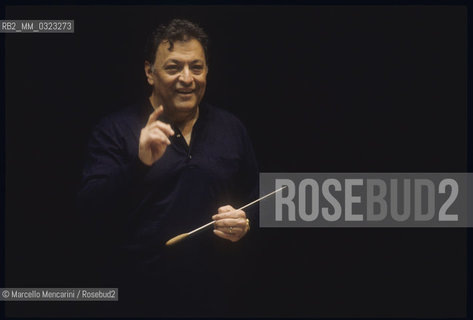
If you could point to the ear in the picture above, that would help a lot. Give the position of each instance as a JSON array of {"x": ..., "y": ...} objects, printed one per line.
[{"x": 149, "y": 73}]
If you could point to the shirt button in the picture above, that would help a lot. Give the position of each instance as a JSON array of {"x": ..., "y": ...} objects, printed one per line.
[{"x": 178, "y": 135}]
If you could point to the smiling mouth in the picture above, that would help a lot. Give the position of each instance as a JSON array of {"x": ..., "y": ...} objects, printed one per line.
[{"x": 185, "y": 92}]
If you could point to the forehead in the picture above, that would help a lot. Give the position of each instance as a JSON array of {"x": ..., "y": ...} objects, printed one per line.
[{"x": 189, "y": 50}]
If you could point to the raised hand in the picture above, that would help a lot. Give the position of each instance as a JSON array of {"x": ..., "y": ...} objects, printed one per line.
[{"x": 154, "y": 138}]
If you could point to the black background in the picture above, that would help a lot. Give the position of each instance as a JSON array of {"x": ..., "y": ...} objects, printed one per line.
[{"x": 320, "y": 89}]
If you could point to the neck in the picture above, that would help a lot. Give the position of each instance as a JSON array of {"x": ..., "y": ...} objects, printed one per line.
[{"x": 183, "y": 120}]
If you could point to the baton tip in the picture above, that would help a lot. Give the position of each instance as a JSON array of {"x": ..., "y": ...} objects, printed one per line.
[{"x": 176, "y": 239}]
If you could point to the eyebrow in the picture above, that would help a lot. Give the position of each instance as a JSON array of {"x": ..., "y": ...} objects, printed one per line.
[{"x": 178, "y": 62}]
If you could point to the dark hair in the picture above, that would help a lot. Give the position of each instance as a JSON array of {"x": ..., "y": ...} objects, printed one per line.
[{"x": 176, "y": 30}]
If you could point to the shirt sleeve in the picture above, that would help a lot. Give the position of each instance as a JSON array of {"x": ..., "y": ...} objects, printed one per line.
[
  {"x": 249, "y": 186},
  {"x": 110, "y": 173}
]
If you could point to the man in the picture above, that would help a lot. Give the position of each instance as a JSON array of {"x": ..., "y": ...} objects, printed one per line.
[{"x": 166, "y": 167}]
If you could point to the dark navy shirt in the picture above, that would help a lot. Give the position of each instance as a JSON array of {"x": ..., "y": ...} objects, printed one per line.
[{"x": 146, "y": 206}]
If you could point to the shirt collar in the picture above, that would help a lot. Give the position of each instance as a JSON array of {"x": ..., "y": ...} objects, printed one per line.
[{"x": 148, "y": 109}]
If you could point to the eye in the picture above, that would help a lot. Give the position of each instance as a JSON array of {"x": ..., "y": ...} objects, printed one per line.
[
  {"x": 197, "y": 68},
  {"x": 172, "y": 68}
]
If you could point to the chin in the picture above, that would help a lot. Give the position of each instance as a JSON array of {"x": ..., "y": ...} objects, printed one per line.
[{"x": 188, "y": 106}]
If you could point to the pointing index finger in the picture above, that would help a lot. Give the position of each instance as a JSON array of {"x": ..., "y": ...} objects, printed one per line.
[{"x": 155, "y": 114}]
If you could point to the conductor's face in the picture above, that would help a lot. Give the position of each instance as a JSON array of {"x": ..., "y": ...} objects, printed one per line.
[{"x": 178, "y": 76}]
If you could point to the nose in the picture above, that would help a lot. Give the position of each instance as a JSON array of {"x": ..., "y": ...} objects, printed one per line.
[{"x": 186, "y": 76}]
